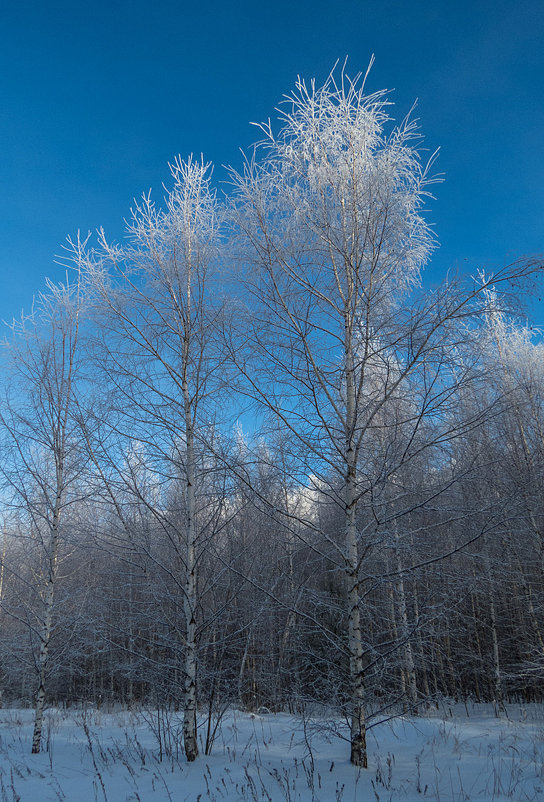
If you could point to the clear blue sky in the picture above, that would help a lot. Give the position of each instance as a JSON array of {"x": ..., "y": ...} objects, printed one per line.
[{"x": 96, "y": 98}]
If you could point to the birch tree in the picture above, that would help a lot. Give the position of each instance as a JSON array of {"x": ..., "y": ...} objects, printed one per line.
[
  {"x": 330, "y": 215},
  {"x": 43, "y": 460},
  {"x": 330, "y": 218},
  {"x": 159, "y": 301}
]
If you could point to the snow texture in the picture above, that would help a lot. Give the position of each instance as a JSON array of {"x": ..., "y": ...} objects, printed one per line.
[{"x": 458, "y": 754}]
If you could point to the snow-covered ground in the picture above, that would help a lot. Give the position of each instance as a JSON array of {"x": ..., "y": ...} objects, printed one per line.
[{"x": 115, "y": 757}]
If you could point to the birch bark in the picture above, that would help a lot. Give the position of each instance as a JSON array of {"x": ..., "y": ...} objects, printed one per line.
[
  {"x": 190, "y": 597},
  {"x": 47, "y": 628}
]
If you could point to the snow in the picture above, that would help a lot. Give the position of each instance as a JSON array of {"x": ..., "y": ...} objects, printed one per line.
[{"x": 456, "y": 754}]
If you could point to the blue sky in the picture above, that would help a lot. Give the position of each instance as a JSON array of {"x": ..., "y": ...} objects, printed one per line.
[{"x": 95, "y": 99}]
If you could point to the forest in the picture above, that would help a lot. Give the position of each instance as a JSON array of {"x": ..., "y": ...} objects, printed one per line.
[{"x": 255, "y": 456}]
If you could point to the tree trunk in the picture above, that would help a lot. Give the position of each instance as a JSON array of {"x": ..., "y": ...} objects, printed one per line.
[
  {"x": 408, "y": 667},
  {"x": 356, "y": 663},
  {"x": 189, "y": 603},
  {"x": 47, "y": 627},
  {"x": 497, "y": 681}
]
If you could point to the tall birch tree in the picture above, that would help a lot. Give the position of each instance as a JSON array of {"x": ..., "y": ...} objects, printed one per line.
[
  {"x": 158, "y": 300},
  {"x": 330, "y": 216}
]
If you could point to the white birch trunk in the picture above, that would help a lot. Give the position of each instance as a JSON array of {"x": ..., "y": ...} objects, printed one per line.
[
  {"x": 189, "y": 602},
  {"x": 45, "y": 636},
  {"x": 409, "y": 670},
  {"x": 356, "y": 666},
  {"x": 355, "y": 647},
  {"x": 497, "y": 681}
]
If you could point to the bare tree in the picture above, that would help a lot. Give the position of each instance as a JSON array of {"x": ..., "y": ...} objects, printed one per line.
[
  {"x": 44, "y": 460},
  {"x": 159, "y": 301},
  {"x": 329, "y": 213}
]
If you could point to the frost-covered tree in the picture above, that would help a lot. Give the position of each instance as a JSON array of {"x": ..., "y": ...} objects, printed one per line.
[
  {"x": 330, "y": 216},
  {"x": 43, "y": 459},
  {"x": 159, "y": 302}
]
